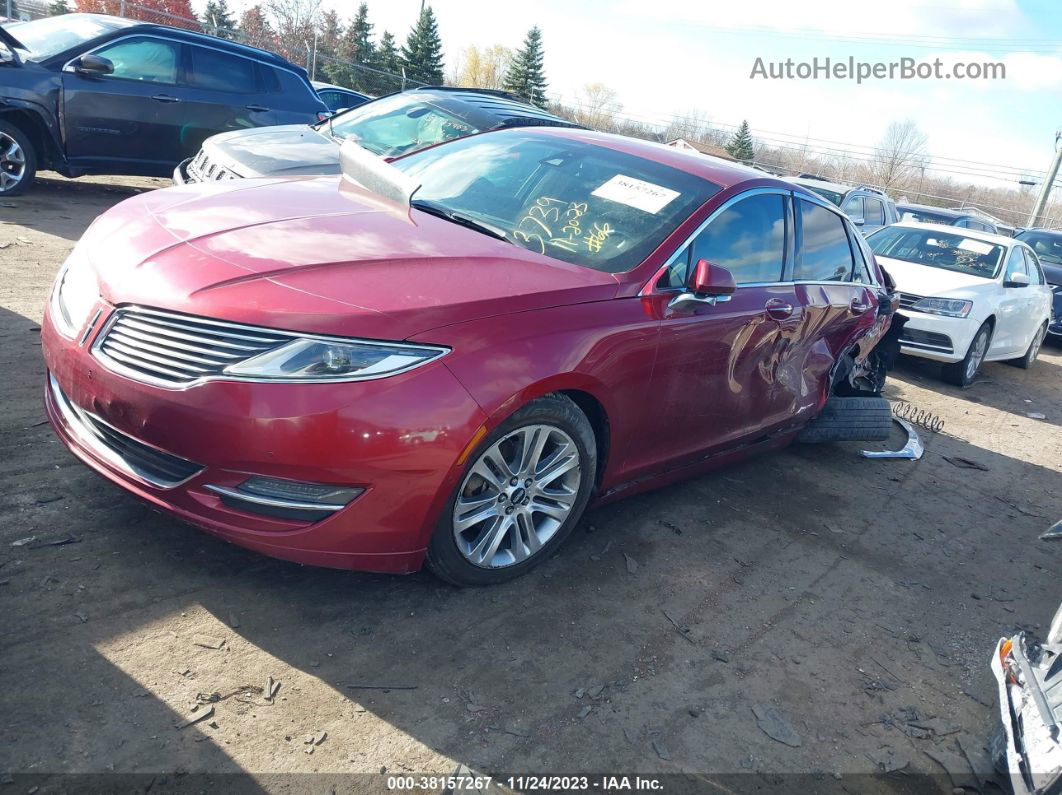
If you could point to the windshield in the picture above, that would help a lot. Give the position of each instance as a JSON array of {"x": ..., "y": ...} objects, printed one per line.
[
  {"x": 52, "y": 35},
  {"x": 828, "y": 195},
  {"x": 1047, "y": 245},
  {"x": 396, "y": 125},
  {"x": 939, "y": 250},
  {"x": 575, "y": 201},
  {"x": 926, "y": 217}
]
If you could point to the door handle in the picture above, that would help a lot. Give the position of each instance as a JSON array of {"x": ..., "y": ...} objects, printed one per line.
[
  {"x": 858, "y": 306},
  {"x": 257, "y": 108},
  {"x": 165, "y": 98},
  {"x": 778, "y": 309}
]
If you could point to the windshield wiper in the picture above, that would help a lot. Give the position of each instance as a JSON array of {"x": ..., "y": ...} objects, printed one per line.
[{"x": 434, "y": 208}]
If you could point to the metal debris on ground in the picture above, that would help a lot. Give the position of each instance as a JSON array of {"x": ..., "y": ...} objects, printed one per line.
[
  {"x": 632, "y": 564},
  {"x": 1035, "y": 415},
  {"x": 775, "y": 725},
  {"x": 53, "y": 542},
  {"x": 1053, "y": 533},
  {"x": 585, "y": 711},
  {"x": 208, "y": 641},
  {"x": 207, "y": 713},
  {"x": 683, "y": 631},
  {"x": 23, "y": 541},
  {"x": 271, "y": 689},
  {"x": 916, "y": 416},
  {"x": 661, "y": 750},
  {"x": 911, "y": 451}
]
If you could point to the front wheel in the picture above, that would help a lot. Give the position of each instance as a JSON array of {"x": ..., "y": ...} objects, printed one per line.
[
  {"x": 1026, "y": 361},
  {"x": 18, "y": 160},
  {"x": 523, "y": 491},
  {"x": 963, "y": 373}
]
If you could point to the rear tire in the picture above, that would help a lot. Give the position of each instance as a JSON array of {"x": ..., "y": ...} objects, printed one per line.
[
  {"x": 522, "y": 493},
  {"x": 850, "y": 419},
  {"x": 1026, "y": 361},
  {"x": 963, "y": 373},
  {"x": 18, "y": 160}
]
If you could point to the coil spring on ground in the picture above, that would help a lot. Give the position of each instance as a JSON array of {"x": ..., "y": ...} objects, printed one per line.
[{"x": 916, "y": 416}]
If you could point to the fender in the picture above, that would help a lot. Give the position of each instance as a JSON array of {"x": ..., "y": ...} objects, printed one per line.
[{"x": 28, "y": 90}]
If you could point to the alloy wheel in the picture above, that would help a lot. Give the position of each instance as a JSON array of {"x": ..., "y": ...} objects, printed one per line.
[
  {"x": 12, "y": 162},
  {"x": 977, "y": 355},
  {"x": 1038, "y": 340},
  {"x": 517, "y": 496}
]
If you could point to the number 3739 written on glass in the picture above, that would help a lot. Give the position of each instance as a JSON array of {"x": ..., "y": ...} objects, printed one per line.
[{"x": 555, "y": 222}]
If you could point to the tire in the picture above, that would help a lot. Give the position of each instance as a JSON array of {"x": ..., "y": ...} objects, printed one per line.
[
  {"x": 18, "y": 160},
  {"x": 1026, "y": 361},
  {"x": 850, "y": 419},
  {"x": 963, "y": 373},
  {"x": 555, "y": 427}
]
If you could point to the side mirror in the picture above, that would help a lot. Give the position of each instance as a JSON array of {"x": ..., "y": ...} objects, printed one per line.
[
  {"x": 709, "y": 284},
  {"x": 1017, "y": 280},
  {"x": 93, "y": 66},
  {"x": 859, "y": 221}
]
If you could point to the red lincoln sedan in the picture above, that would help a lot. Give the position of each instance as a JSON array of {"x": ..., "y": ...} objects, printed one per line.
[{"x": 448, "y": 357}]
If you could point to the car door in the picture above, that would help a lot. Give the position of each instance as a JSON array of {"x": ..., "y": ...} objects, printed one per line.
[
  {"x": 838, "y": 304},
  {"x": 222, "y": 95},
  {"x": 716, "y": 379},
  {"x": 126, "y": 121},
  {"x": 1011, "y": 308},
  {"x": 873, "y": 214},
  {"x": 1040, "y": 295}
]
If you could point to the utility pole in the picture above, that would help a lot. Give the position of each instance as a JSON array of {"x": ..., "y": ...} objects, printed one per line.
[
  {"x": 8, "y": 14},
  {"x": 1040, "y": 207}
]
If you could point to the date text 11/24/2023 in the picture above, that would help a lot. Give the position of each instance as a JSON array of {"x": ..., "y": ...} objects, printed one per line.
[{"x": 528, "y": 783}]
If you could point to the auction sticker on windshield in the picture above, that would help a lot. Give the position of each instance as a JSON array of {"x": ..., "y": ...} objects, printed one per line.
[{"x": 637, "y": 193}]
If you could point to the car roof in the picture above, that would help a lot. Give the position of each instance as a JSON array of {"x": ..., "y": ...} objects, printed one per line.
[
  {"x": 1040, "y": 230},
  {"x": 487, "y": 109},
  {"x": 944, "y": 211},
  {"x": 319, "y": 86},
  {"x": 723, "y": 173},
  {"x": 129, "y": 25},
  {"x": 814, "y": 182},
  {"x": 974, "y": 234}
]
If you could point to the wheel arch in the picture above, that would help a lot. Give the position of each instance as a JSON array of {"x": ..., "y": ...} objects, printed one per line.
[{"x": 35, "y": 129}]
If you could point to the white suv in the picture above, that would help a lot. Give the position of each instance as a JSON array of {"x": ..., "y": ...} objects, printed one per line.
[{"x": 969, "y": 296}]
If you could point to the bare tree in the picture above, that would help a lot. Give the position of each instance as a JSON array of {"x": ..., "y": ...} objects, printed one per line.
[
  {"x": 597, "y": 106},
  {"x": 296, "y": 23},
  {"x": 482, "y": 68},
  {"x": 693, "y": 125},
  {"x": 901, "y": 153}
]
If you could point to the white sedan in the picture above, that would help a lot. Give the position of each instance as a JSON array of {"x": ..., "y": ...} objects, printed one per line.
[{"x": 970, "y": 297}]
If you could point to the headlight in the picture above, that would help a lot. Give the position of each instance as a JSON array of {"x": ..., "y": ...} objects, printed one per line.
[
  {"x": 76, "y": 291},
  {"x": 951, "y": 307},
  {"x": 307, "y": 359}
]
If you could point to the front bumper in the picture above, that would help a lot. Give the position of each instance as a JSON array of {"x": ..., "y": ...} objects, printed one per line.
[
  {"x": 943, "y": 339},
  {"x": 398, "y": 438},
  {"x": 180, "y": 174}
]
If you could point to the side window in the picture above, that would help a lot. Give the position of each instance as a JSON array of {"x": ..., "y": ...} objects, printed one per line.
[
  {"x": 333, "y": 99},
  {"x": 853, "y": 207},
  {"x": 148, "y": 60},
  {"x": 1015, "y": 263},
  {"x": 1036, "y": 274},
  {"x": 873, "y": 212},
  {"x": 824, "y": 254},
  {"x": 219, "y": 71},
  {"x": 747, "y": 238},
  {"x": 861, "y": 254}
]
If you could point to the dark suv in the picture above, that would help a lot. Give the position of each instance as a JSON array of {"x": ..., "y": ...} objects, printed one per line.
[{"x": 88, "y": 93}]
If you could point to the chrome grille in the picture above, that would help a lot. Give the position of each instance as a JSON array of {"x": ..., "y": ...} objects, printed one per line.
[
  {"x": 203, "y": 169},
  {"x": 174, "y": 349},
  {"x": 908, "y": 300}
]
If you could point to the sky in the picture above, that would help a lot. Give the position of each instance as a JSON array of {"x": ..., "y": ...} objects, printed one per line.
[{"x": 670, "y": 57}]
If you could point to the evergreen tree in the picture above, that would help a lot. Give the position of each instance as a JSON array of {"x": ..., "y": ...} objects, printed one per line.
[
  {"x": 255, "y": 28},
  {"x": 526, "y": 78},
  {"x": 740, "y": 145},
  {"x": 422, "y": 52},
  {"x": 329, "y": 35},
  {"x": 386, "y": 58},
  {"x": 354, "y": 48},
  {"x": 218, "y": 19},
  {"x": 58, "y": 7}
]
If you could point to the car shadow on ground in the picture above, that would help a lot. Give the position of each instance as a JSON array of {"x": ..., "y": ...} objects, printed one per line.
[{"x": 854, "y": 596}]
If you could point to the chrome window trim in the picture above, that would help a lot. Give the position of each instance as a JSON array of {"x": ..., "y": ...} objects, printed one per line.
[
  {"x": 271, "y": 501},
  {"x": 649, "y": 288},
  {"x": 126, "y": 372}
]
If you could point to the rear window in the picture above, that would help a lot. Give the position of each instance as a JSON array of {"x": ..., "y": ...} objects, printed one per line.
[
  {"x": 926, "y": 217},
  {"x": 219, "y": 71},
  {"x": 952, "y": 252}
]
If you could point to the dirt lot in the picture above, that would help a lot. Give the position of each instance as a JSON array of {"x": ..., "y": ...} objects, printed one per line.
[{"x": 853, "y": 596}]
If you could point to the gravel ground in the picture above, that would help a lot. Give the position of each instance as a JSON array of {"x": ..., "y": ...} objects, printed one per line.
[{"x": 851, "y": 597}]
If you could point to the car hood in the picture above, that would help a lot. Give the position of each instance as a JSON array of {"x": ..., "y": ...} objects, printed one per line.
[
  {"x": 287, "y": 150},
  {"x": 927, "y": 281},
  {"x": 317, "y": 255}
]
